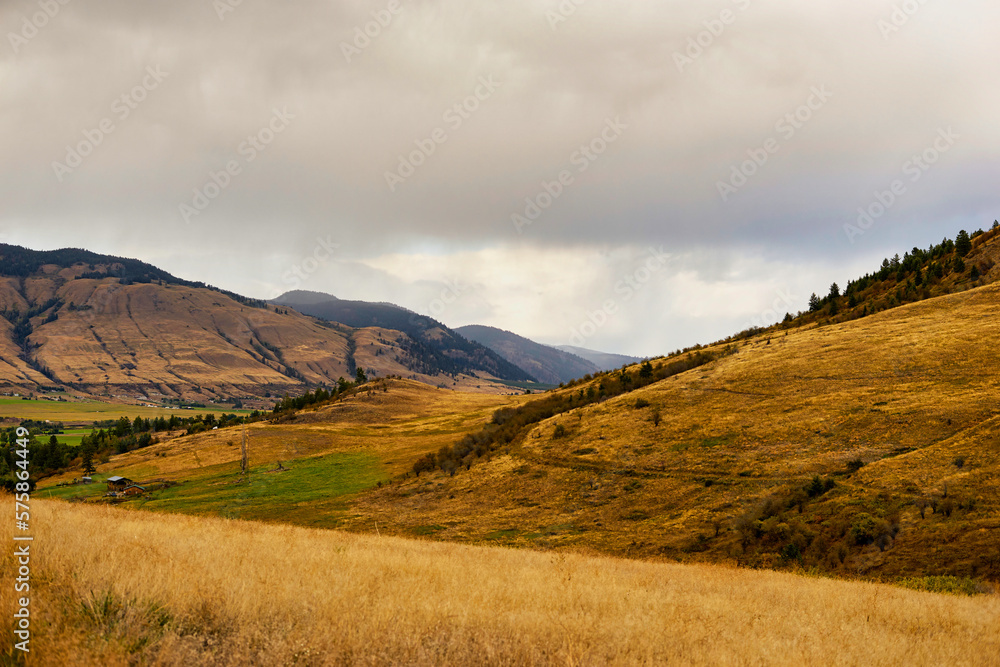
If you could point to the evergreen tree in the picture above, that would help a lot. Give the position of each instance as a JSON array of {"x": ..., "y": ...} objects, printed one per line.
[
  {"x": 88, "y": 461},
  {"x": 813, "y": 303},
  {"x": 962, "y": 243},
  {"x": 834, "y": 291},
  {"x": 360, "y": 378}
]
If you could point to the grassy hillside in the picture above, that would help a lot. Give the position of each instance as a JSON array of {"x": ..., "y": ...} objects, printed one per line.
[
  {"x": 547, "y": 364},
  {"x": 327, "y": 455},
  {"x": 815, "y": 448},
  {"x": 114, "y": 588}
]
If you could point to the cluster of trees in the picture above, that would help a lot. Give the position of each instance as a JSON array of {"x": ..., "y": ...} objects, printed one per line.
[
  {"x": 46, "y": 456},
  {"x": 911, "y": 276},
  {"x": 49, "y": 455},
  {"x": 510, "y": 424},
  {"x": 321, "y": 394}
]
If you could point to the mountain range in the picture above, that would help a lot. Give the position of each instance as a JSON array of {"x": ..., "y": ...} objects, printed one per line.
[{"x": 112, "y": 326}]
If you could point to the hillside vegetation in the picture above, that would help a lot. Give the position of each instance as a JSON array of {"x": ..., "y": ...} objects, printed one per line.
[{"x": 178, "y": 590}]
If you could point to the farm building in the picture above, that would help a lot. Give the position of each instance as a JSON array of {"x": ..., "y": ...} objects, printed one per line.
[
  {"x": 117, "y": 483},
  {"x": 134, "y": 491}
]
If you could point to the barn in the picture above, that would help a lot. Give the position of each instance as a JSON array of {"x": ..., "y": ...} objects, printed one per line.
[
  {"x": 117, "y": 483},
  {"x": 134, "y": 491}
]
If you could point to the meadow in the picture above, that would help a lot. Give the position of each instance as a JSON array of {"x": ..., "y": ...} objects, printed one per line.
[
  {"x": 118, "y": 588},
  {"x": 83, "y": 412}
]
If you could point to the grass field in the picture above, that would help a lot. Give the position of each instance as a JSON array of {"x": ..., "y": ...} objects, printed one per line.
[
  {"x": 180, "y": 590},
  {"x": 73, "y": 412}
]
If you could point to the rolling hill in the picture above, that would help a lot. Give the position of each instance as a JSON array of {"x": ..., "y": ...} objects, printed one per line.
[
  {"x": 871, "y": 446},
  {"x": 114, "y": 327},
  {"x": 548, "y": 364}
]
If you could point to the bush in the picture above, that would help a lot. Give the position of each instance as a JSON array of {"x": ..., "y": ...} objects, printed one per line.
[
  {"x": 641, "y": 403},
  {"x": 952, "y": 585},
  {"x": 559, "y": 432},
  {"x": 864, "y": 529},
  {"x": 959, "y": 461},
  {"x": 948, "y": 506},
  {"x": 855, "y": 465}
]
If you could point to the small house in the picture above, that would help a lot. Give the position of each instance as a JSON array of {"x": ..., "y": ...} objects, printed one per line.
[
  {"x": 134, "y": 491},
  {"x": 86, "y": 480},
  {"x": 117, "y": 483}
]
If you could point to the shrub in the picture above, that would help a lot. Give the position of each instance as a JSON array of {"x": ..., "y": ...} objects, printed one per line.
[
  {"x": 641, "y": 403},
  {"x": 855, "y": 465},
  {"x": 959, "y": 461},
  {"x": 948, "y": 506},
  {"x": 656, "y": 417},
  {"x": 559, "y": 432},
  {"x": 791, "y": 552},
  {"x": 940, "y": 584},
  {"x": 864, "y": 529}
]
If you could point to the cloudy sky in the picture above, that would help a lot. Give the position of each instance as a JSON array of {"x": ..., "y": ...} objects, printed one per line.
[{"x": 630, "y": 176}]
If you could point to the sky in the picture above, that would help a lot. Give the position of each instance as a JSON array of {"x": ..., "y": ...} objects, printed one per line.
[{"x": 627, "y": 176}]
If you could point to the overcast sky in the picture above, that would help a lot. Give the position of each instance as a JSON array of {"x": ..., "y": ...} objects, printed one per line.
[{"x": 693, "y": 164}]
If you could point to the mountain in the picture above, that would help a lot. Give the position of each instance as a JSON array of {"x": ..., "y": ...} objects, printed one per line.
[
  {"x": 433, "y": 342},
  {"x": 603, "y": 360},
  {"x": 548, "y": 364},
  {"x": 112, "y": 326}
]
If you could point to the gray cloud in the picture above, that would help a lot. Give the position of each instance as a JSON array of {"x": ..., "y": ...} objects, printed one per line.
[{"x": 325, "y": 174}]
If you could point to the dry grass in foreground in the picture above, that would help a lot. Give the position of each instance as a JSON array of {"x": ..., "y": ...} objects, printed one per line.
[{"x": 114, "y": 587}]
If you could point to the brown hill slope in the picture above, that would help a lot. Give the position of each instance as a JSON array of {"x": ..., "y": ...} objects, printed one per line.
[
  {"x": 112, "y": 336},
  {"x": 718, "y": 463}
]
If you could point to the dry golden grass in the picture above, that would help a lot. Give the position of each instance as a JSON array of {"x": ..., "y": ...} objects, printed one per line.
[
  {"x": 118, "y": 588},
  {"x": 908, "y": 391}
]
